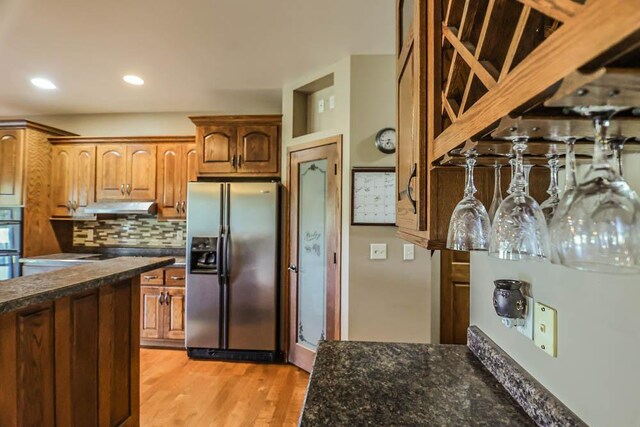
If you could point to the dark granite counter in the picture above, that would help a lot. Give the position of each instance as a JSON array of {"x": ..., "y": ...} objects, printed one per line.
[
  {"x": 360, "y": 383},
  {"x": 25, "y": 291},
  {"x": 70, "y": 259}
]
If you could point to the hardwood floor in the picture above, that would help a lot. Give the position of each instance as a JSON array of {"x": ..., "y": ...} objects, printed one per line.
[{"x": 177, "y": 391}]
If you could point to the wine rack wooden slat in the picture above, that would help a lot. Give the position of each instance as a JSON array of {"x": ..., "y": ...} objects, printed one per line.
[{"x": 561, "y": 10}]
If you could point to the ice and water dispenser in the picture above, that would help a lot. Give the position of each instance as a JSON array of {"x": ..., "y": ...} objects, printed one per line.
[{"x": 204, "y": 257}]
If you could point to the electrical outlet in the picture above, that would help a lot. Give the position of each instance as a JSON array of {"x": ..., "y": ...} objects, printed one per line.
[
  {"x": 321, "y": 106},
  {"x": 409, "y": 251},
  {"x": 378, "y": 251},
  {"x": 544, "y": 329},
  {"x": 527, "y": 328},
  {"x": 332, "y": 102}
]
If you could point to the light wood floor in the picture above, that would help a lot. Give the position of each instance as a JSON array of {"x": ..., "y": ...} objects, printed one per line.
[{"x": 177, "y": 391}]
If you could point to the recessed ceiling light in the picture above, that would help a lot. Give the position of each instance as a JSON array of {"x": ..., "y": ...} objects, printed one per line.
[
  {"x": 43, "y": 83},
  {"x": 133, "y": 80}
]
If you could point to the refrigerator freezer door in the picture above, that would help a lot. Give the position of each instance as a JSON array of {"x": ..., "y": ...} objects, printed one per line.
[
  {"x": 252, "y": 264},
  {"x": 203, "y": 290}
]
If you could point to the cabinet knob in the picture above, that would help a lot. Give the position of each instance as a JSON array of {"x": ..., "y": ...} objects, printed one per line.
[
  {"x": 129, "y": 189},
  {"x": 122, "y": 189},
  {"x": 240, "y": 161},
  {"x": 161, "y": 298},
  {"x": 183, "y": 207},
  {"x": 233, "y": 161},
  {"x": 177, "y": 278},
  {"x": 167, "y": 298},
  {"x": 178, "y": 207}
]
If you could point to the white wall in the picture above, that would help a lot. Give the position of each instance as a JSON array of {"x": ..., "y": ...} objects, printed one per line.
[
  {"x": 381, "y": 300},
  {"x": 597, "y": 371}
]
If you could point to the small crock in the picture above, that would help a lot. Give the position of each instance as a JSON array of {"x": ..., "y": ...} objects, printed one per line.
[{"x": 508, "y": 300}]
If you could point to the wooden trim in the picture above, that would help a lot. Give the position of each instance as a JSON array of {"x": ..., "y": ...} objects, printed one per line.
[
  {"x": 315, "y": 144},
  {"x": 560, "y": 10},
  {"x": 28, "y": 124},
  {"x": 485, "y": 77},
  {"x": 236, "y": 119},
  {"x": 515, "y": 42},
  {"x": 355, "y": 170},
  {"x": 449, "y": 109},
  {"x": 548, "y": 64},
  {"x": 161, "y": 139}
]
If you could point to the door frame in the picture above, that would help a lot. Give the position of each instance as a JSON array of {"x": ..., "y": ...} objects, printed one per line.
[{"x": 289, "y": 296}]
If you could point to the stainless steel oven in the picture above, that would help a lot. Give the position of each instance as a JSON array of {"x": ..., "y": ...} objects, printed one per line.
[{"x": 10, "y": 242}]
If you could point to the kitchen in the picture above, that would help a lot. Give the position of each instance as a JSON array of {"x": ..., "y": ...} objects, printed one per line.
[{"x": 293, "y": 262}]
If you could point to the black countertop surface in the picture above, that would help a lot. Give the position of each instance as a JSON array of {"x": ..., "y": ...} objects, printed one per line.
[
  {"x": 39, "y": 288},
  {"x": 365, "y": 383}
]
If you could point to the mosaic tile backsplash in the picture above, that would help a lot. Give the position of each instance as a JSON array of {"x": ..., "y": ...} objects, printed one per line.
[{"x": 130, "y": 231}]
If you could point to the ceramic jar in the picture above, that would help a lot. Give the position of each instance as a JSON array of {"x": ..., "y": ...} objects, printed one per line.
[{"x": 508, "y": 300}]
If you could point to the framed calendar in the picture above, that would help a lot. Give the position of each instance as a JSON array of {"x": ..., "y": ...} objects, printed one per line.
[{"x": 373, "y": 196}]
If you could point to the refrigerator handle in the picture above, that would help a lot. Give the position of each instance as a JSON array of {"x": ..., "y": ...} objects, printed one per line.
[{"x": 227, "y": 234}]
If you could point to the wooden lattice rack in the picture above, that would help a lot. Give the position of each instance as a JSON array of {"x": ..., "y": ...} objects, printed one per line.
[{"x": 510, "y": 66}]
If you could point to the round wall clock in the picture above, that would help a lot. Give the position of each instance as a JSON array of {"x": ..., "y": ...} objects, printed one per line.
[{"x": 386, "y": 140}]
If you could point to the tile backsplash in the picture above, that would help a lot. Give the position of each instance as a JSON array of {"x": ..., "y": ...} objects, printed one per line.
[{"x": 130, "y": 231}]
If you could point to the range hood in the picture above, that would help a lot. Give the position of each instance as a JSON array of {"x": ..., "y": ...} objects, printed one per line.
[{"x": 122, "y": 208}]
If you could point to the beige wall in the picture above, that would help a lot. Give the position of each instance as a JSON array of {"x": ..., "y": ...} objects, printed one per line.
[
  {"x": 596, "y": 373},
  {"x": 386, "y": 300}
]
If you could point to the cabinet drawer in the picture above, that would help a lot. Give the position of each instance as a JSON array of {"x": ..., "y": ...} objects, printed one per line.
[
  {"x": 175, "y": 276},
  {"x": 155, "y": 277}
]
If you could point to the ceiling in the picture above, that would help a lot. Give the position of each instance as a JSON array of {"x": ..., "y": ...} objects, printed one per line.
[{"x": 195, "y": 55}]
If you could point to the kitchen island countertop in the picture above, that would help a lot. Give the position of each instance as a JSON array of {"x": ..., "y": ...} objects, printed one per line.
[
  {"x": 26, "y": 291},
  {"x": 69, "y": 259},
  {"x": 367, "y": 383}
]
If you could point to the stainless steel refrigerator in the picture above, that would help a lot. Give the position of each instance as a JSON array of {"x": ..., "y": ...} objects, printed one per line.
[{"x": 232, "y": 270}]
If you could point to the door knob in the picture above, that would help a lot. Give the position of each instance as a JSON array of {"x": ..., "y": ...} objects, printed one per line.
[{"x": 293, "y": 268}]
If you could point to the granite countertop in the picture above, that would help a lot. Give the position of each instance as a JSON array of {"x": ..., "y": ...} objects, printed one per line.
[
  {"x": 363, "y": 383},
  {"x": 25, "y": 291},
  {"x": 68, "y": 259}
]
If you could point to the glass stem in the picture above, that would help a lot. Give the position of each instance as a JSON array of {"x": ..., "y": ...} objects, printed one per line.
[
  {"x": 519, "y": 181},
  {"x": 601, "y": 125},
  {"x": 497, "y": 185},
  {"x": 470, "y": 188},
  {"x": 553, "y": 182},
  {"x": 571, "y": 181},
  {"x": 512, "y": 165}
]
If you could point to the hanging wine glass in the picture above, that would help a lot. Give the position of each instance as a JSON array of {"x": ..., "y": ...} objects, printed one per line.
[
  {"x": 469, "y": 225},
  {"x": 616, "y": 145},
  {"x": 519, "y": 229},
  {"x": 603, "y": 219},
  {"x": 560, "y": 226},
  {"x": 527, "y": 174},
  {"x": 497, "y": 191},
  {"x": 550, "y": 205}
]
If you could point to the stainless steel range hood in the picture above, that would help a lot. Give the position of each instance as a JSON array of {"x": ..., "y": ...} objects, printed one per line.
[{"x": 122, "y": 208}]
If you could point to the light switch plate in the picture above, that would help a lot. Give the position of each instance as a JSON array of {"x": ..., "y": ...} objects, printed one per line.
[
  {"x": 321, "y": 106},
  {"x": 545, "y": 329},
  {"x": 332, "y": 102},
  {"x": 527, "y": 328},
  {"x": 409, "y": 251},
  {"x": 378, "y": 251}
]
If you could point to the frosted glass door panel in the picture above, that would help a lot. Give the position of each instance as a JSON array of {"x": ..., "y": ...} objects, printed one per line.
[{"x": 312, "y": 263}]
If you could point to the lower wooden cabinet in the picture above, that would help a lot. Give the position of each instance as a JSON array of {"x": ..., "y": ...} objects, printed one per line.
[{"x": 162, "y": 310}]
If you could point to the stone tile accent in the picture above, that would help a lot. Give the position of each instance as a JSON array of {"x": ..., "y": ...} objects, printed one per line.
[{"x": 130, "y": 231}]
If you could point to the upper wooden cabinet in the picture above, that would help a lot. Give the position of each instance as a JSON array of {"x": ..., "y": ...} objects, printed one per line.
[
  {"x": 126, "y": 172},
  {"x": 411, "y": 210},
  {"x": 238, "y": 145},
  {"x": 73, "y": 179},
  {"x": 11, "y": 166},
  {"x": 177, "y": 165}
]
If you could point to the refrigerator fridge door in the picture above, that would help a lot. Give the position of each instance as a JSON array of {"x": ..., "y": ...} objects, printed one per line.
[
  {"x": 252, "y": 266},
  {"x": 9, "y": 266},
  {"x": 203, "y": 290}
]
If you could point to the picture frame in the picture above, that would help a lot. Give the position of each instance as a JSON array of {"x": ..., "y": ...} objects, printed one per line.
[{"x": 373, "y": 196}]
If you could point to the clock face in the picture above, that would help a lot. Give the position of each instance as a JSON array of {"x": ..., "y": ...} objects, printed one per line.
[{"x": 386, "y": 140}]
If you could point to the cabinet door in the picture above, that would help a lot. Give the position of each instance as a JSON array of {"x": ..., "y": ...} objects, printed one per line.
[
  {"x": 151, "y": 310},
  {"x": 216, "y": 150},
  {"x": 11, "y": 167},
  {"x": 169, "y": 181},
  {"x": 174, "y": 314},
  {"x": 111, "y": 172},
  {"x": 84, "y": 178},
  {"x": 62, "y": 180},
  {"x": 141, "y": 171},
  {"x": 189, "y": 173},
  {"x": 258, "y": 149},
  {"x": 411, "y": 102}
]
